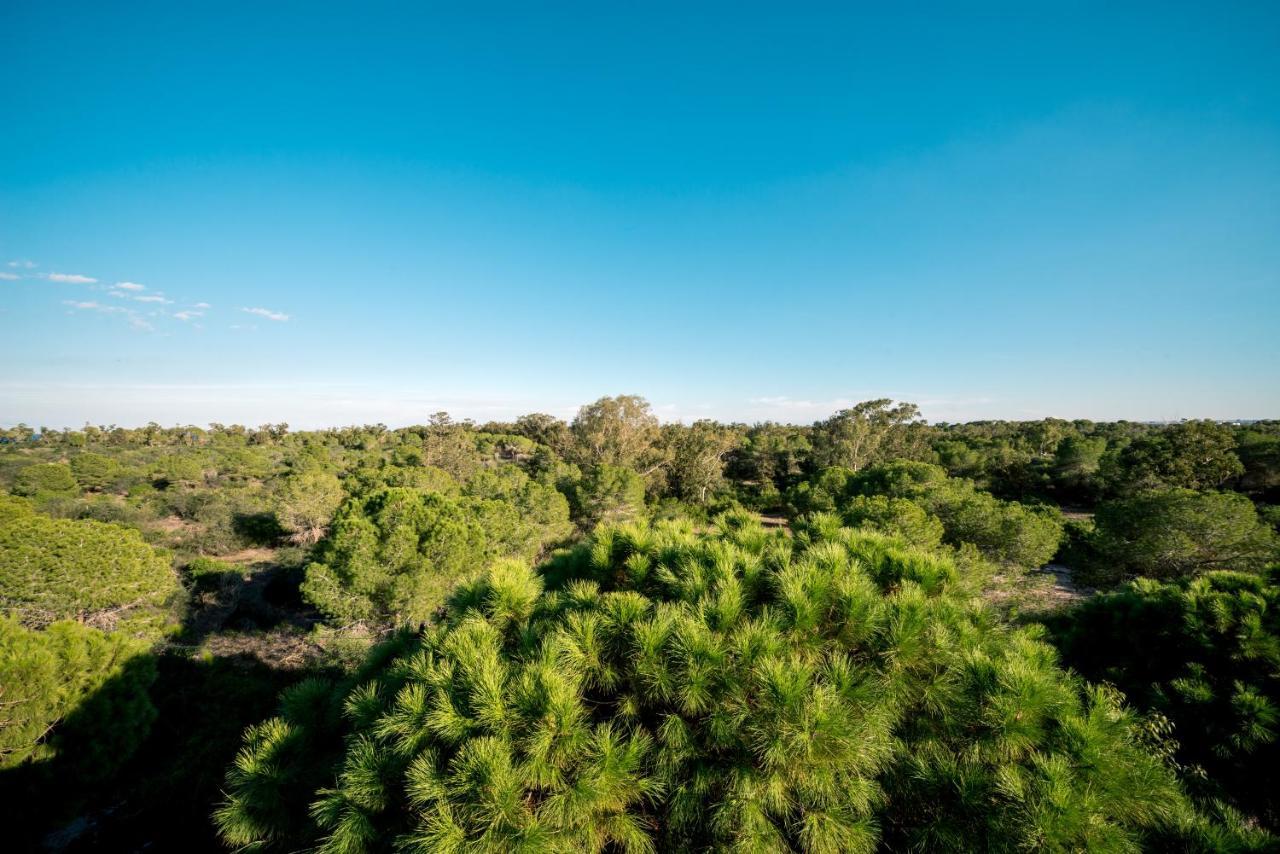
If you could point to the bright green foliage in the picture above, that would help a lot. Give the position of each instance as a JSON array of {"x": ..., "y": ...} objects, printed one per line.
[
  {"x": 307, "y": 504},
  {"x": 427, "y": 478},
  {"x": 42, "y": 480},
  {"x": 897, "y": 516},
  {"x": 102, "y": 574},
  {"x": 72, "y": 690},
  {"x": 1002, "y": 530},
  {"x": 179, "y": 470},
  {"x": 1176, "y": 534},
  {"x": 393, "y": 554},
  {"x": 94, "y": 471},
  {"x": 661, "y": 690},
  {"x": 607, "y": 494},
  {"x": 1206, "y": 654},
  {"x": 520, "y": 515}
]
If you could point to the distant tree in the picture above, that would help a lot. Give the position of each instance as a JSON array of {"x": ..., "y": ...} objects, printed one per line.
[
  {"x": 546, "y": 430},
  {"x": 1196, "y": 455},
  {"x": 1003, "y": 530},
  {"x": 42, "y": 480},
  {"x": 698, "y": 459},
  {"x": 449, "y": 445},
  {"x": 614, "y": 431},
  {"x": 307, "y": 504},
  {"x": 869, "y": 432},
  {"x": 1076, "y": 462},
  {"x": 1177, "y": 533},
  {"x": 94, "y": 471}
]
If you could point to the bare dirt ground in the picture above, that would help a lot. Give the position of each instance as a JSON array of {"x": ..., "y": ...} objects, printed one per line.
[{"x": 1034, "y": 591}]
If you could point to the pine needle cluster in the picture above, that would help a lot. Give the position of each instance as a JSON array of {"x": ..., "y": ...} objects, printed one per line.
[{"x": 665, "y": 689}]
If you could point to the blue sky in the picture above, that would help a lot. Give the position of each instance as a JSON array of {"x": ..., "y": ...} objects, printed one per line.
[{"x": 345, "y": 213}]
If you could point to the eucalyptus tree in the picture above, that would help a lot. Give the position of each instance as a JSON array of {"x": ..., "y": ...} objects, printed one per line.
[
  {"x": 614, "y": 431},
  {"x": 868, "y": 432}
]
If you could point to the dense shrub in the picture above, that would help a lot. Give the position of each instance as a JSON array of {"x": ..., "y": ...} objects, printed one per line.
[
  {"x": 72, "y": 690},
  {"x": 308, "y": 501},
  {"x": 44, "y": 480},
  {"x": 1003, "y": 530},
  {"x": 106, "y": 575},
  {"x": 1204, "y": 653},
  {"x": 897, "y": 516},
  {"x": 1176, "y": 534},
  {"x": 94, "y": 471},
  {"x": 392, "y": 555},
  {"x": 663, "y": 690},
  {"x": 605, "y": 493}
]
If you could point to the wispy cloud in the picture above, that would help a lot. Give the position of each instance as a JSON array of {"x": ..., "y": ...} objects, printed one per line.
[
  {"x": 130, "y": 286},
  {"x": 203, "y": 305},
  {"x": 188, "y": 314},
  {"x": 159, "y": 299},
  {"x": 9, "y": 277},
  {"x": 71, "y": 278},
  {"x": 23, "y": 264},
  {"x": 135, "y": 320},
  {"x": 267, "y": 313},
  {"x": 90, "y": 305}
]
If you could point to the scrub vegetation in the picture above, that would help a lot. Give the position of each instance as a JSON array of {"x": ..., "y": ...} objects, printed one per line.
[{"x": 612, "y": 634}]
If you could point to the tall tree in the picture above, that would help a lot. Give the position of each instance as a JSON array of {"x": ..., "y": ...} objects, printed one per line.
[
  {"x": 614, "y": 431},
  {"x": 869, "y": 432}
]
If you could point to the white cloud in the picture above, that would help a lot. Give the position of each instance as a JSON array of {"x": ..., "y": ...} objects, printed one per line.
[
  {"x": 24, "y": 264},
  {"x": 267, "y": 313},
  {"x": 71, "y": 278},
  {"x": 130, "y": 286},
  {"x": 9, "y": 276},
  {"x": 187, "y": 314},
  {"x": 135, "y": 320},
  {"x": 154, "y": 298},
  {"x": 203, "y": 305}
]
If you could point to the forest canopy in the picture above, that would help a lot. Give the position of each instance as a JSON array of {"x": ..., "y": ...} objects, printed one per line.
[{"x": 612, "y": 633}]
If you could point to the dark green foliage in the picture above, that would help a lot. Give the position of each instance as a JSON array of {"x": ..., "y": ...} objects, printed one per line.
[
  {"x": 1189, "y": 455},
  {"x": 43, "y": 480},
  {"x": 736, "y": 691},
  {"x": 106, "y": 575},
  {"x": 73, "y": 693},
  {"x": 1175, "y": 534},
  {"x": 1204, "y": 653}
]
